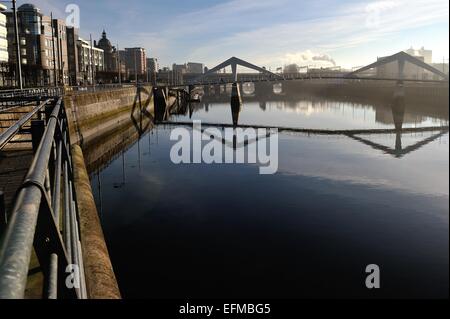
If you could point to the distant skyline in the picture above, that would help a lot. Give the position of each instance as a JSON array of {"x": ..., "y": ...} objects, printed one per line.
[{"x": 270, "y": 33}]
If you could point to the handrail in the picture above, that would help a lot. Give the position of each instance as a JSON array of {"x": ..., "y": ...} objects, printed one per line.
[
  {"x": 9, "y": 134},
  {"x": 95, "y": 88},
  {"x": 57, "y": 91},
  {"x": 35, "y": 218},
  {"x": 13, "y": 98},
  {"x": 32, "y": 92}
]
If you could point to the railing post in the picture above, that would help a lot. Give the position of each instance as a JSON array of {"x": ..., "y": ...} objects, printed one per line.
[
  {"x": 37, "y": 131},
  {"x": 3, "y": 216},
  {"x": 48, "y": 111}
]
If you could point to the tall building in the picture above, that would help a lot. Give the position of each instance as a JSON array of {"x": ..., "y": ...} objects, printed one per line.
[
  {"x": 123, "y": 71},
  {"x": 29, "y": 19},
  {"x": 194, "y": 68},
  {"x": 59, "y": 30},
  {"x": 180, "y": 68},
  {"x": 3, "y": 35},
  {"x": 49, "y": 56},
  {"x": 43, "y": 46},
  {"x": 135, "y": 61},
  {"x": 152, "y": 65},
  {"x": 110, "y": 53},
  {"x": 177, "y": 74},
  {"x": 427, "y": 55},
  {"x": 75, "y": 77},
  {"x": 90, "y": 61},
  {"x": 152, "y": 70}
]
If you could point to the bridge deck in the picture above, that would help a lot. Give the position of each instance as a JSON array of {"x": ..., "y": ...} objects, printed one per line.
[{"x": 301, "y": 78}]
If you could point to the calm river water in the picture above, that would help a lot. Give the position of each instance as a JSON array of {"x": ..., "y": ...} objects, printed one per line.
[{"x": 337, "y": 204}]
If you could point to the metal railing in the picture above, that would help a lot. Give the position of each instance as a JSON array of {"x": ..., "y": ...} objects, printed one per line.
[
  {"x": 13, "y": 130},
  {"x": 31, "y": 93},
  {"x": 96, "y": 88},
  {"x": 45, "y": 217},
  {"x": 14, "y": 98},
  {"x": 56, "y": 91}
]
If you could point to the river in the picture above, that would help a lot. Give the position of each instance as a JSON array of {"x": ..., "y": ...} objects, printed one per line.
[{"x": 336, "y": 204}]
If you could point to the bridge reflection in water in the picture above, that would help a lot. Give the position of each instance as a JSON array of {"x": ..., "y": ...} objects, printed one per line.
[
  {"x": 354, "y": 188},
  {"x": 398, "y": 114},
  {"x": 103, "y": 150},
  {"x": 397, "y": 105}
]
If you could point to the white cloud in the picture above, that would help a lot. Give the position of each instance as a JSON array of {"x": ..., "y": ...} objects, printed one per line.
[
  {"x": 348, "y": 26},
  {"x": 381, "y": 5}
]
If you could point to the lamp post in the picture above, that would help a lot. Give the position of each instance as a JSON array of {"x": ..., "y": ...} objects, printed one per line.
[
  {"x": 135, "y": 67},
  {"x": 54, "y": 51},
  {"x": 91, "y": 61},
  {"x": 119, "y": 65}
]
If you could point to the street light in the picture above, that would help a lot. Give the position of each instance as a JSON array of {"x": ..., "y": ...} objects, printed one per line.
[{"x": 119, "y": 65}]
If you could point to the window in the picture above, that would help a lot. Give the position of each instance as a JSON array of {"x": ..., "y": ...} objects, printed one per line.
[
  {"x": 24, "y": 61},
  {"x": 23, "y": 41},
  {"x": 23, "y": 52}
]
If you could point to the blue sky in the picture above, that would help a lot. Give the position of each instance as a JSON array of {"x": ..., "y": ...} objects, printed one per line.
[{"x": 269, "y": 33}]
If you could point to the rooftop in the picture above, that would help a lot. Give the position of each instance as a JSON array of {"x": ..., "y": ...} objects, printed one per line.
[{"x": 28, "y": 7}]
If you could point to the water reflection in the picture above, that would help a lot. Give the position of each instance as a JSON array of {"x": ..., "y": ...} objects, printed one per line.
[
  {"x": 398, "y": 107},
  {"x": 307, "y": 109},
  {"x": 278, "y": 88},
  {"x": 248, "y": 88},
  {"x": 336, "y": 200},
  {"x": 313, "y": 115},
  {"x": 398, "y": 115},
  {"x": 236, "y": 104},
  {"x": 140, "y": 115},
  {"x": 399, "y": 151},
  {"x": 283, "y": 231}
]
